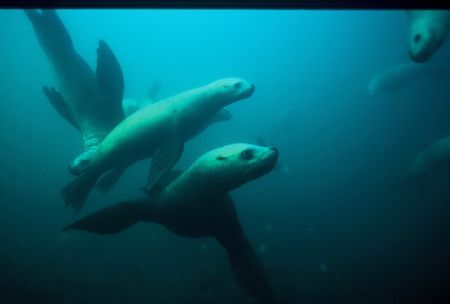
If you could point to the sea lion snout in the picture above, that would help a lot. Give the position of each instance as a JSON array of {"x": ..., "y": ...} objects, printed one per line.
[{"x": 269, "y": 157}]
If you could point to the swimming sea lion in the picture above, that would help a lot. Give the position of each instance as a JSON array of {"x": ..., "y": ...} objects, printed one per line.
[
  {"x": 158, "y": 131},
  {"x": 91, "y": 102},
  {"x": 427, "y": 32},
  {"x": 432, "y": 162},
  {"x": 401, "y": 75},
  {"x": 197, "y": 204}
]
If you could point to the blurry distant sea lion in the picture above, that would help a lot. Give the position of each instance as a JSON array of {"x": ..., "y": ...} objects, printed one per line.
[
  {"x": 284, "y": 121},
  {"x": 433, "y": 162},
  {"x": 158, "y": 131},
  {"x": 90, "y": 101},
  {"x": 427, "y": 32},
  {"x": 131, "y": 105},
  {"x": 401, "y": 75},
  {"x": 196, "y": 203}
]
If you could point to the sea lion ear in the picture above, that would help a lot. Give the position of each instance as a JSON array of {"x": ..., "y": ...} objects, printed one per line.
[{"x": 220, "y": 157}]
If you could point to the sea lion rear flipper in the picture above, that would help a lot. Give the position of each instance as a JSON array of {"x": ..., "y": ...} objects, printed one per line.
[
  {"x": 110, "y": 81},
  {"x": 109, "y": 179},
  {"x": 76, "y": 192},
  {"x": 59, "y": 104},
  {"x": 163, "y": 161},
  {"x": 112, "y": 219},
  {"x": 51, "y": 32}
]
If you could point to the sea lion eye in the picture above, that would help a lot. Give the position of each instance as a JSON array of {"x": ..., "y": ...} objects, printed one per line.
[
  {"x": 417, "y": 37},
  {"x": 247, "y": 154},
  {"x": 220, "y": 157},
  {"x": 237, "y": 85}
]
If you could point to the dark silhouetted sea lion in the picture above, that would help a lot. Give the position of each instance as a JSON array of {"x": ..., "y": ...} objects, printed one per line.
[{"x": 196, "y": 204}]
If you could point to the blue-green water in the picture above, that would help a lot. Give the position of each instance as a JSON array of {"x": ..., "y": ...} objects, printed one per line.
[{"x": 326, "y": 229}]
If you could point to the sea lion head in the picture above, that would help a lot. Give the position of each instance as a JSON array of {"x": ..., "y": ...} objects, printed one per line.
[
  {"x": 81, "y": 162},
  {"x": 424, "y": 40},
  {"x": 232, "y": 89},
  {"x": 231, "y": 166}
]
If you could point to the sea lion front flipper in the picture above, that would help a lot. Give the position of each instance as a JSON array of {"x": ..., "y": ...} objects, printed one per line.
[
  {"x": 245, "y": 263},
  {"x": 110, "y": 81},
  {"x": 57, "y": 101},
  {"x": 163, "y": 161},
  {"x": 109, "y": 179},
  {"x": 221, "y": 115},
  {"x": 112, "y": 219},
  {"x": 163, "y": 182}
]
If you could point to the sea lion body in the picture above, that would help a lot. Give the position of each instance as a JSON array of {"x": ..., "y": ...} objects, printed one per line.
[
  {"x": 433, "y": 160},
  {"x": 158, "y": 131},
  {"x": 429, "y": 166},
  {"x": 401, "y": 75}
]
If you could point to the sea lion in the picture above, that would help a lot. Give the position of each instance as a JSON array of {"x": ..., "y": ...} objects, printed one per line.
[
  {"x": 427, "y": 32},
  {"x": 398, "y": 76},
  {"x": 91, "y": 102},
  {"x": 196, "y": 204},
  {"x": 432, "y": 162},
  {"x": 158, "y": 131}
]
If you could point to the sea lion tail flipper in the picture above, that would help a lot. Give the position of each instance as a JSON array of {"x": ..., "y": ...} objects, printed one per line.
[
  {"x": 33, "y": 15},
  {"x": 108, "y": 180},
  {"x": 110, "y": 79},
  {"x": 76, "y": 192},
  {"x": 57, "y": 101},
  {"x": 112, "y": 219},
  {"x": 163, "y": 161},
  {"x": 51, "y": 32}
]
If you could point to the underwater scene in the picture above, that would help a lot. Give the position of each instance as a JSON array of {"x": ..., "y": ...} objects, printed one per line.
[{"x": 220, "y": 156}]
